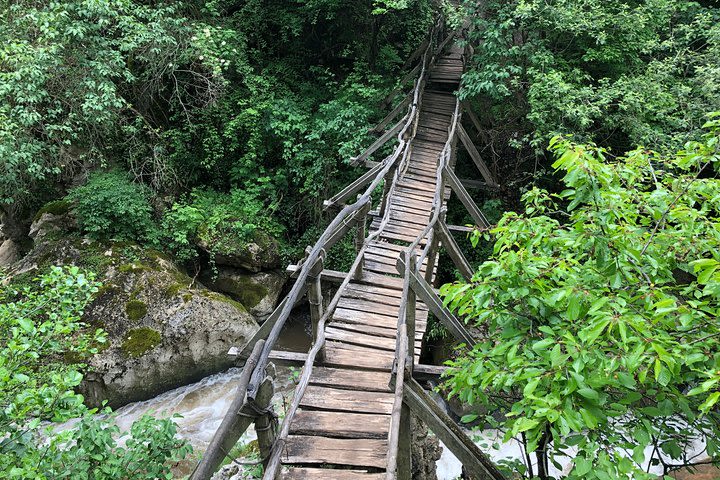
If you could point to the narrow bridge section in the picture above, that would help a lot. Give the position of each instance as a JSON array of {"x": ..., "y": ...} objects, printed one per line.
[
  {"x": 350, "y": 414},
  {"x": 345, "y": 412}
]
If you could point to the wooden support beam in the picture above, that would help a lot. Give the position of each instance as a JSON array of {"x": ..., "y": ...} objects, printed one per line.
[
  {"x": 469, "y": 183},
  {"x": 411, "y": 74},
  {"x": 417, "y": 53},
  {"x": 379, "y": 142},
  {"x": 237, "y": 419},
  {"x": 331, "y": 276},
  {"x": 472, "y": 458},
  {"x": 473, "y": 118},
  {"x": 433, "y": 302},
  {"x": 475, "y": 155},
  {"x": 266, "y": 425},
  {"x": 394, "y": 113},
  {"x": 262, "y": 332},
  {"x": 353, "y": 188},
  {"x": 465, "y": 198},
  {"x": 315, "y": 298},
  {"x": 452, "y": 248}
]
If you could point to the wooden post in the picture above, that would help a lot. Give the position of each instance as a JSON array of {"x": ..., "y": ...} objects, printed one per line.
[
  {"x": 360, "y": 234},
  {"x": 234, "y": 424},
  {"x": 410, "y": 317},
  {"x": 432, "y": 253},
  {"x": 265, "y": 425},
  {"x": 315, "y": 298},
  {"x": 386, "y": 190}
]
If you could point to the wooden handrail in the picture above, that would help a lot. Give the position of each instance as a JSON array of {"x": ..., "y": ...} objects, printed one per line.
[{"x": 395, "y": 417}]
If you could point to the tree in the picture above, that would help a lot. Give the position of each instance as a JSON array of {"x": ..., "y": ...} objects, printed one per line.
[
  {"x": 598, "y": 312},
  {"x": 42, "y": 341}
]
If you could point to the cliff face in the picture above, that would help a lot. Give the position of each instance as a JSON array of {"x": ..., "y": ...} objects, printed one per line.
[{"x": 164, "y": 328}]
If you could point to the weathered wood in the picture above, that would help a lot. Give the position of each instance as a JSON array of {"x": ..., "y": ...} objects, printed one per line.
[
  {"x": 473, "y": 118},
  {"x": 464, "y": 197},
  {"x": 426, "y": 293},
  {"x": 411, "y": 74},
  {"x": 315, "y": 298},
  {"x": 452, "y": 248},
  {"x": 334, "y": 399},
  {"x": 332, "y": 276},
  {"x": 265, "y": 425},
  {"x": 472, "y": 458},
  {"x": 395, "y": 417},
  {"x": 350, "y": 379},
  {"x": 233, "y": 424},
  {"x": 340, "y": 424},
  {"x": 335, "y": 451},
  {"x": 475, "y": 155},
  {"x": 380, "y": 142},
  {"x": 328, "y": 474},
  {"x": 394, "y": 113},
  {"x": 353, "y": 188}
]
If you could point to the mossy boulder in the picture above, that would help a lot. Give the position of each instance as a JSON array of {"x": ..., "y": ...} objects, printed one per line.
[
  {"x": 257, "y": 292},
  {"x": 164, "y": 329},
  {"x": 139, "y": 341},
  {"x": 260, "y": 253}
]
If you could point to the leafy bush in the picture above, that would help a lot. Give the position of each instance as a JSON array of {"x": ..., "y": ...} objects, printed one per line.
[
  {"x": 599, "y": 307},
  {"x": 111, "y": 206},
  {"x": 220, "y": 220},
  {"x": 40, "y": 333}
]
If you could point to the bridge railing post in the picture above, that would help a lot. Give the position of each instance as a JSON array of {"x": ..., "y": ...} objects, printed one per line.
[
  {"x": 266, "y": 424},
  {"x": 386, "y": 190},
  {"x": 360, "y": 233},
  {"x": 315, "y": 298}
]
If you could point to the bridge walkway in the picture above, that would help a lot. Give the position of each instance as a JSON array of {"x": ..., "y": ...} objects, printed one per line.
[{"x": 341, "y": 429}]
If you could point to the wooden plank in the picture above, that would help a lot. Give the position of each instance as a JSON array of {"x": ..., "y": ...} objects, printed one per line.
[
  {"x": 342, "y": 355},
  {"x": 454, "y": 251},
  {"x": 335, "y": 451},
  {"x": 379, "y": 142},
  {"x": 340, "y": 425},
  {"x": 350, "y": 379},
  {"x": 360, "y": 339},
  {"x": 328, "y": 474},
  {"x": 354, "y": 187},
  {"x": 335, "y": 399},
  {"x": 371, "y": 330}
]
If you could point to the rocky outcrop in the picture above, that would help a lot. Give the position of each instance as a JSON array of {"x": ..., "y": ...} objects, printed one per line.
[
  {"x": 9, "y": 253},
  {"x": 260, "y": 254},
  {"x": 164, "y": 329},
  {"x": 426, "y": 451},
  {"x": 258, "y": 292}
]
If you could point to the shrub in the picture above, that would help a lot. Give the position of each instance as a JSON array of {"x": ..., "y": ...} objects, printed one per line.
[{"x": 111, "y": 206}]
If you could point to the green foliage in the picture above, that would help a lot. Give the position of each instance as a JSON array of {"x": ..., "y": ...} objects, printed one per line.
[
  {"x": 599, "y": 308},
  {"x": 226, "y": 221},
  {"x": 58, "y": 207},
  {"x": 81, "y": 80},
  {"x": 111, "y": 206},
  {"x": 625, "y": 73},
  {"x": 41, "y": 330}
]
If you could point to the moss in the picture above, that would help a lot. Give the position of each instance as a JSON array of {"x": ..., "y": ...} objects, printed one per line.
[
  {"x": 187, "y": 297},
  {"x": 58, "y": 207},
  {"x": 135, "y": 310},
  {"x": 172, "y": 290},
  {"x": 224, "y": 299},
  {"x": 140, "y": 341},
  {"x": 134, "y": 267},
  {"x": 247, "y": 292}
]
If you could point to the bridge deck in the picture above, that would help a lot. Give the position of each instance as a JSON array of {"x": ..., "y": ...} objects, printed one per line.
[{"x": 341, "y": 429}]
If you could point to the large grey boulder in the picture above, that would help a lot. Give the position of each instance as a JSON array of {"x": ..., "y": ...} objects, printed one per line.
[
  {"x": 9, "y": 253},
  {"x": 164, "y": 331},
  {"x": 259, "y": 254},
  {"x": 258, "y": 292}
]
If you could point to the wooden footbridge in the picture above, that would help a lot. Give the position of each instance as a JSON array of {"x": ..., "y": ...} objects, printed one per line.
[{"x": 350, "y": 414}]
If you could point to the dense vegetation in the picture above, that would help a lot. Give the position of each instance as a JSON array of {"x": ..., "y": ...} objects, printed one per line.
[{"x": 175, "y": 124}]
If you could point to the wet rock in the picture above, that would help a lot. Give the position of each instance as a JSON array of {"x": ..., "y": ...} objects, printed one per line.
[
  {"x": 233, "y": 471},
  {"x": 258, "y": 292}
]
